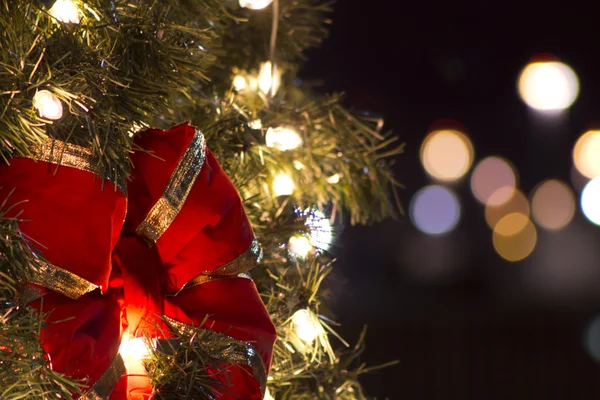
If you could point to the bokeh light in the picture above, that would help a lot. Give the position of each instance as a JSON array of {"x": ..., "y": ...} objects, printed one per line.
[
  {"x": 283, "y": 185},
  {"x": 517, "y": 203},
  {"x": 548, "y": 85},
  {"x": 590, "y": 201},
  {"x": 447, "y": 155},
  {"x": 514, "y": 237},
  {"x": 269, "y": 78},
  {"x": 490, "y": 175},
  {"x": 239, "y": 83},
  {"x": 586, "y": 154},
  {"x": 552, "y": 205},
  {"x": 435, "y": 210}
]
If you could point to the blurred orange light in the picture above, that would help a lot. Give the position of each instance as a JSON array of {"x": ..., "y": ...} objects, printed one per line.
[
  {"x": 553, "y": 205},
  {"x": 548, "y": 85},
  {"x": 490, "y": 175},
  {"x": 520, "y": 242},
  {"x": 586, "y": 154},
  {"x": 447, "y": 154},
  {"x": 517, "y": 203}
]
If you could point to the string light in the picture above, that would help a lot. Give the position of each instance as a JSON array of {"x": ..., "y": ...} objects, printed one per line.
[
  {"x": 255, "y": 4},
  {"x": 48, "y": 105},
  {"x": 239, "y": 83},
  {"x": 65, "y": 11},
  {"x": 306, "y": 325},
  {"x": 300, "y": 246},
  {"x": 333, "y": 179},
  {"x": 548, "y": 86},
  {"x": 585, "y": 154},
  {"x": 283, "y": 138},
  {"x": 269, "y": 78},
  {"x": 283, "y": 185},
  {"x": 321, "y": 232},
  {"x": 268, "y": 395},
  {"x": 256, "y": 124},
  {"x": 590, "y": 201}
]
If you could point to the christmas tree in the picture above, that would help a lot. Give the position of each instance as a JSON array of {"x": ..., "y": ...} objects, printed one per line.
[{"x": 90, "y": 78}]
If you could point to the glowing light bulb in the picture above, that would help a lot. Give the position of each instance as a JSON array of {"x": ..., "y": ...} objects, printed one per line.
[
  {"x": 335, "y": 178},
  {"x": 307, "y": 325},
  {"x": 239, "y": 83},
  {"x": 321, "y": 232},
  {"x": 48, "y": 105},
  {"x": 269, "y": 78},
  {"x": 283, "y": 138},
  {"x": 255, "y": 4},
  {"x": 268, "y": 395},
  {"x": 256, "y": 124},
  {"x": 548, "y": 86},
  {"x": 283, "y": 185},
  {"x": 65, "y": 11},
  {"x": 590, "y": 201},
  {"x": 300, "y": 246}
]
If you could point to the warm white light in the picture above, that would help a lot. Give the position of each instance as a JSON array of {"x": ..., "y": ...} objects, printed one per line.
[
  {"x": 493, "y": 181},
  {"x": 300, "y": 246},
  {"x": 48, "y": 105},
  {"x": 269, "y": 78},
  {"x": 239, "y": 83},
  {"x": 268, "y": 395},
  {"x": 307, "y": 325},
  {"x": 590, "y": 201},
  {"x": 333, "y": 179},
  {"x": 446, "y": 155},
  {"x": 134, "y": 348},
  {"x": 553, "y": 205},
  {"x": 548, "y": 86},
  {"x": 256, "y": 124},
  {"x": 586, "y": 154},
  {"x": 283, "y": 138},
  {"x": 283, "y": 185},
  {"x": 435, "y": 210},
  {"x": 255, "y": 4},
  {"x": 65, "y": 11}
]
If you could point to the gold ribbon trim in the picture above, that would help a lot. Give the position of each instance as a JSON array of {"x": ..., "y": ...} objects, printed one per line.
[
  {"x": 239, "y": 353},
  {"x": 104, "y": 386},
  {"x": 162, "y": 214},
  {"x": 60, "y": 280},
  {"x": 58, "y": 152},
  {"x": 237, "y": 268}
]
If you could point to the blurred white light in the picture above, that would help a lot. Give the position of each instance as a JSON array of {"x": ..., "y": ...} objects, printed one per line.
[
  {"x": 335, "y": 178},
  {"x": 586, "y": 154},
  {"x": 283, "y": 138},
  {"x": 48, "y": 105},
  {"x": 590, "y": 201},
  {"x": 446, "y": 155},
  {"x": 256, "y": 124},
  {"x": 300, "y": 246},
  {"x": 239, "y": 83},
  {"x": 268, "y": 395},
  {"x": 65, "y": 11},
  {"x": 493, "y": 181},
  {"x": 548, "y": 86},
  {"x": 269, "y": 78},
  {"x": 435, "y": 210},
  {"x": 255, "y": 4},
  {"x": 283, "y": 185},
  {"x": 307, "y": 325}
]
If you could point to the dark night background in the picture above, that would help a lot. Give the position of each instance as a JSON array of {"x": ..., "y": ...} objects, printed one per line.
[{"x": 464, "y": 323}]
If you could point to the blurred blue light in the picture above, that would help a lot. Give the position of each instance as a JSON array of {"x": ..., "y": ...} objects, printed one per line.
[{"x": 435, "y": 210}]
